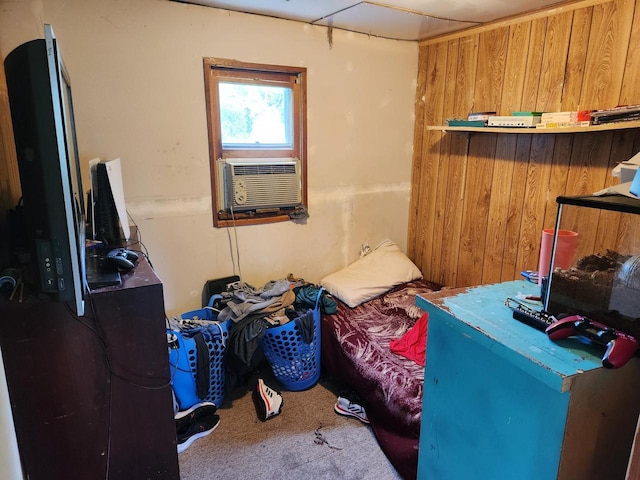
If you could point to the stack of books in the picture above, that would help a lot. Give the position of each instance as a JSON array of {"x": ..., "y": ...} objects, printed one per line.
[
  {"x": 480, "y": 116},
  {"x": 624, "y": 113},
  {"x": 578, "y": 118},
  {"x": 516, "y": 120},
  {"x": 565, "y": 119},
  {"x": 475, "y": 119}
]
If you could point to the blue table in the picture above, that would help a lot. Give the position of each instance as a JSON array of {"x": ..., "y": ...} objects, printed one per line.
[{"x": 502, "y": 401}]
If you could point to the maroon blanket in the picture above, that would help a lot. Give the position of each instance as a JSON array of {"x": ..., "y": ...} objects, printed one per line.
[{"x": 355, "y": 350}]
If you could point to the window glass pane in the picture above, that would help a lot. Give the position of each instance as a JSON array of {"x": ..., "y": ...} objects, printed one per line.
[{"x": 255, "y": 116}]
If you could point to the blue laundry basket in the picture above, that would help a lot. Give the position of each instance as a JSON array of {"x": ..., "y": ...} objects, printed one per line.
[
  {"x": 215, "y": 335},
  {"x": 295, "y": 363},
  {"x": 206, "y": 313}
]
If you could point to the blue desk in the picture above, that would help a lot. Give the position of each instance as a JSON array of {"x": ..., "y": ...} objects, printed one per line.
[{"x": 502, "y": 401}]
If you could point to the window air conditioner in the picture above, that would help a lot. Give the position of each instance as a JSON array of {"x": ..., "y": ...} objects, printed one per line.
[{"x": 254, "y": 184}]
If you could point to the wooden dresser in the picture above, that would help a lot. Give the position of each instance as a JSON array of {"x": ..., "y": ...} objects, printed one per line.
[
  {"x": 501, "y": 400},
  {"x": 90, "y": 395}
]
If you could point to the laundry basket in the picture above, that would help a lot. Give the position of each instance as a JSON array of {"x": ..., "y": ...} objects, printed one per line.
[
  {"x": 205, "y": 313},
  {"x": 294, "y": 362},
  {"x": 202, "y": 346}
]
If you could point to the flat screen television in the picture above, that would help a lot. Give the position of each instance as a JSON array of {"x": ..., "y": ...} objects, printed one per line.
[{"x": 39, "y": 92}]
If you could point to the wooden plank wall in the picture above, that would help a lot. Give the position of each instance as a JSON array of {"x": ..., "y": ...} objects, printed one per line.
[{"x": 481, "y": 200}]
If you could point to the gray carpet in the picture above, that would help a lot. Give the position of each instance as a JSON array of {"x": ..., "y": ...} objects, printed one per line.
[{"x": 307, "y": 440}]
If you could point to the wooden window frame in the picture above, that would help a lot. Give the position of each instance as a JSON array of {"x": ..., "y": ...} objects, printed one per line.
[{"x": 216, "y": 69}]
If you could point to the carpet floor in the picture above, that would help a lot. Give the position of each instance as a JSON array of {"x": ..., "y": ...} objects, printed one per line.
[{"x": 307, "y": 440}]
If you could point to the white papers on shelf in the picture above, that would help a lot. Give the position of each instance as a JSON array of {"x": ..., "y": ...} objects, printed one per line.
[{"x": 627, "y": 172}]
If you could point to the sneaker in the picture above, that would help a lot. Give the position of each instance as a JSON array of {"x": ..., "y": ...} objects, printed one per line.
[
  {"x": 195, "y": 423},
  {"x": 344, "y": 406},
  {"x": 198, "y": 409},
  {"x": 268, "y": 402}
]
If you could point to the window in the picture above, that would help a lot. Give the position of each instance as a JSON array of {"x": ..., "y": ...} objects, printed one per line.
[{"x": 256, "y": 116}]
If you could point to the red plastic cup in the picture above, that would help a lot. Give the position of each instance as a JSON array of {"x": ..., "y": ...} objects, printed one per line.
[{"x": 565, "y": 251}]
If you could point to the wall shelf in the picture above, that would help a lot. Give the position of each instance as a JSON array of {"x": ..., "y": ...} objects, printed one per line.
[{"x": 591, "y": 128}]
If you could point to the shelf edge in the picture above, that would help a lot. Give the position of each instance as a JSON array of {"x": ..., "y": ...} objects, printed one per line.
[{"x": 592, "y": 128}]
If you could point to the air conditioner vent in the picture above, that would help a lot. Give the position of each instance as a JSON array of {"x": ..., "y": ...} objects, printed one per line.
[
  {"x": 264, "y": 169},
  {"x": 252, "y": 184}
]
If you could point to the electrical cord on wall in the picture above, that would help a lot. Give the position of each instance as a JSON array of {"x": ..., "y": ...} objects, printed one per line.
[
  {"x": 234, "y": 259},
  {"x": 235, "y": 232},
  {"x": 144, "y": 250}
]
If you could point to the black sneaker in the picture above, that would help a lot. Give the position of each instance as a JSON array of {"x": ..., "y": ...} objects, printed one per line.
[
  {"x": 268, "y": 402},
  {"x": 197, "y": 422},
  {"x": 203, "y": 408}
]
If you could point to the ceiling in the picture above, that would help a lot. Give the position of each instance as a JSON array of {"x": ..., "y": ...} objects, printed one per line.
[{"x": 396, "y": 19}]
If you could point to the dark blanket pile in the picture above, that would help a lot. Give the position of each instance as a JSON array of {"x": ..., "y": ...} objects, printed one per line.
[{"x": 356, "y": 351}]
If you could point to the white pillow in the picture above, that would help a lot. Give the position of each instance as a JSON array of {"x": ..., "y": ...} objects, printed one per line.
[{"x": 371, "y": 275}]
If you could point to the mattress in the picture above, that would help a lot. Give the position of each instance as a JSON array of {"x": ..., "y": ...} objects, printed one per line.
[{"x": 356, "y": 352}]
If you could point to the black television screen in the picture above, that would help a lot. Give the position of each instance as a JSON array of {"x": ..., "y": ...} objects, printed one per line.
[{"x": 40, "y": 100}]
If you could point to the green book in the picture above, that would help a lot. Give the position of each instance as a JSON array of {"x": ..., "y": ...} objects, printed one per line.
[{"x": 466, "y": 123}]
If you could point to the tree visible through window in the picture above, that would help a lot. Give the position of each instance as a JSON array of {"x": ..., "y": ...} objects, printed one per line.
[
  {"x": 255, "y": 115},
  {"x": 256, "y": 118}
]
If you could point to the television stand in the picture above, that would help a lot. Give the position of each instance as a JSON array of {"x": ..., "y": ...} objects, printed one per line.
[{"x": 73, "y": 416}]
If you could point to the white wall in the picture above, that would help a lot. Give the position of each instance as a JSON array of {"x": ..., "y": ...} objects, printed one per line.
[{"x": 137, "y": 78}]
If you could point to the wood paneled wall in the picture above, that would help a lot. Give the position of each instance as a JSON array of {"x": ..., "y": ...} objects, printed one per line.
[{"x": 481, "y": 200}]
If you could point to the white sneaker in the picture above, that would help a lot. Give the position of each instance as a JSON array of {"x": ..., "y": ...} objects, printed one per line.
[
  {"x": 268, "y": 402},
  {"x": 344, "y": 406}
]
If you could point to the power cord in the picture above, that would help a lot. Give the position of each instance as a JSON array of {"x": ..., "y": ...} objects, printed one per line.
[
  {"x": 97, "y": 330},
  {"x": 235, "y": 231},
  {"x": 144, "y": 252}
]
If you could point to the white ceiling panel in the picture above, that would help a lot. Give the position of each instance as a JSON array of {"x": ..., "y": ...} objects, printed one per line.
[
  {"x": 481, "y": 11},
  {"x": 397, "y": 19},
  {"x": 301, "y": 10},
  {"x": 390, "y": 23}
]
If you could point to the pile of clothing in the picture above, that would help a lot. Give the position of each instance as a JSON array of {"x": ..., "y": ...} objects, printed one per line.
[{"x": 253, "y": 310}]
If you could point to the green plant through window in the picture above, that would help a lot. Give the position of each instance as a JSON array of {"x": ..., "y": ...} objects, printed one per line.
[{"x": 255, "y": 116}]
